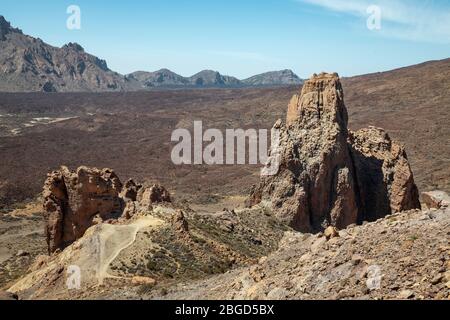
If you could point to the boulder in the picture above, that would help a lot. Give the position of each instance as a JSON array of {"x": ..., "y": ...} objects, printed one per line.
[
  {"x": 143, "y": 281},
  {"x": 130, "y": 190},
  {"x": 436, "y": 199},
  {"x": 179, "y": 223},
  {"x": 327, "y": 175},
  {"x": 151, "y": 195},
  {"x": 385, "y": 180},
  {"x": 331, "y": 232}
]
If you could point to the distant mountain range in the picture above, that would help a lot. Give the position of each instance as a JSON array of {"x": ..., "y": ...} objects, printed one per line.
[
  {"x": 30, "y": 64},
  {"x": 209, "y": 78}
]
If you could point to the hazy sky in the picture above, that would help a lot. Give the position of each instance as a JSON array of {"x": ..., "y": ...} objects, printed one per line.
[{"x": 244, "y": 37}]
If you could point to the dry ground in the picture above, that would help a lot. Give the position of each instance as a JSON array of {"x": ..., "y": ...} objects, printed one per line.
[{"x": 130, "y": 132}]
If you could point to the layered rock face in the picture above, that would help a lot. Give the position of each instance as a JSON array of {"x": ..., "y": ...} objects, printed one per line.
[
  {"x": 328, "y": 175},
  {"x": 74, "y": 201}
]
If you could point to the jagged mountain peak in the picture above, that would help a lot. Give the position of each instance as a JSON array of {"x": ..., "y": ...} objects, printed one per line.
[
  {"x": 30, "y": 64},
  {"x": 6, "y": 28},
  {"x": 73, "y": 46}
]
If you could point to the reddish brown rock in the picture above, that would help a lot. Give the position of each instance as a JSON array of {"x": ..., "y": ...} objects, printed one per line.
[
  {"x": 130, "y": 190},
  {"x": 315, "y": 185},
  {"x": 143, "y": 281},
  {"x": 385, "y": 180},
  {"x": 436, "y": 199},
  {"x": 74, "y": 200},
  {"x": 329, "y": 176},
  {"x": 153, "y": 194},
  {"x": 179, "y": 223}
]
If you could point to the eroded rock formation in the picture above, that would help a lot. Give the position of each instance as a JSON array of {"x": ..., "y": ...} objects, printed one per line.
[
  {"x": 74, "y": 201},
  {"x": 328, "y": 175},
  {"x": 385, "y": 180}
]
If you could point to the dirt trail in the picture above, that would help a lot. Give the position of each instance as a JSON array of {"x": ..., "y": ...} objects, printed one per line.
[
  {"x": 92, "y": 254},
  {"x": 115, "y": 238}
]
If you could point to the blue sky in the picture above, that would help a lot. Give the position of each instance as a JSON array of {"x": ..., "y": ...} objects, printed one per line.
[{"x": 244, "y": 37}]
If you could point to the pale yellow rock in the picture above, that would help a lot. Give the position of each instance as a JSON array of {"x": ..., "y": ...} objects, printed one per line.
[
  {"x": 331, "y": 232},
  {"x": 140, "y": 281}
]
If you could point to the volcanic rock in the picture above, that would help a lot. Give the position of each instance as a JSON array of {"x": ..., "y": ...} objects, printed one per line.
[
  {"x": 143, "y": 281},
  {"x": 331, "y": 232},
  {"x": 154, "y": 194},
  {"x": 179, "y": 223},
  {"x": 73, "y": 200},
  {"x": 436, "y": 199},
  {"x": 328, "y": 175},
  {"x": 385, "y": 180},
  {"x": 130, "y": 190}
]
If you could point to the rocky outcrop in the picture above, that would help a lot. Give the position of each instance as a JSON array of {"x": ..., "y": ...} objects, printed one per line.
[
  {"x": 180, "y": 224},
  {"x": 141, "y": 198},
  {"x": 328, "y": 175},
  {"x": 436, "y": 199},
  {"x": 130, "y": 190},
  {"x": 5, "y": 28},
  {"x": 74, "y": 201},
  {"x": 385, "y": 180},
  {"x": 153, "y": 194}
]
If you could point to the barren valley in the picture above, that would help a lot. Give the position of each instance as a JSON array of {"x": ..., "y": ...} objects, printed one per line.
[{"x": 131, "y": 132}]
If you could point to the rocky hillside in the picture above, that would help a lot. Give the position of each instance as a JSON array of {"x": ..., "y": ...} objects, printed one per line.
[
  {"x": 403, "y": 256},
  {"x": 127, "y": 235},
  {"x": 155, "y": 250},
  {"x": 283, "y": 77},
  {"x": 29, "y": 64}
]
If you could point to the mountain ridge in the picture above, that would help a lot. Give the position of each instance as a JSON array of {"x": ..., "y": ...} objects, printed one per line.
[
  {"x": 29, "y": 64},
  {"x": 165, "y": 78}
]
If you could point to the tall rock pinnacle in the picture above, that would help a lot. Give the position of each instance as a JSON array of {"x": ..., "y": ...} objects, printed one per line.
[{"x": 324, "y": 178}]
